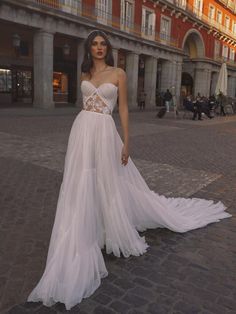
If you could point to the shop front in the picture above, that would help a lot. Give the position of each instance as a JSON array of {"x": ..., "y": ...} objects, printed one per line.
[
  {"x": 60, "y": 87},
  {"x": 16, "y": 86}
]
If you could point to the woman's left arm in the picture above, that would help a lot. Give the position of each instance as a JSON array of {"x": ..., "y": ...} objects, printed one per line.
[{"x": 124, "y": 114}]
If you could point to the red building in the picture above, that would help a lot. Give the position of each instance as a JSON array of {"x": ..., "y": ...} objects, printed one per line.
[{"x": 175, "y": 44}]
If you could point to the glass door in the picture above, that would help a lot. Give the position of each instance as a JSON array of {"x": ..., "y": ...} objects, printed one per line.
[{"x": 22, "y": 89}]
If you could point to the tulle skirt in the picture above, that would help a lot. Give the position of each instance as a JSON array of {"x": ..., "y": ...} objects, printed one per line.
[{"x": 104, "y": 204}]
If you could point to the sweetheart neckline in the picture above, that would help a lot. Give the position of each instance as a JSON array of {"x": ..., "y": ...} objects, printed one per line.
[{"x": 99, "y": 85}]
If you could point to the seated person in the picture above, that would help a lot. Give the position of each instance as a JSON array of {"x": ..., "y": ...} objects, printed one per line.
[{"x": 192, "y": 106}]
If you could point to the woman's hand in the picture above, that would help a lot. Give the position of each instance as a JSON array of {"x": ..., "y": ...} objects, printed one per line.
[{"x": 124, "y": 155}]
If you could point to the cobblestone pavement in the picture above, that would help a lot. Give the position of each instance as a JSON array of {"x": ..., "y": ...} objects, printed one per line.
[{"x": 187, "y": 273}]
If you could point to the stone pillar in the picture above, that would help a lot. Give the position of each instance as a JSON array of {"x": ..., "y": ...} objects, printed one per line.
[
  {"x": 43, "y": 69},
  {"x": 80, "y": 57},
  {"x": 132, "y": 61},
  {"x": 115, "y": 53},
  {"x": 234, "y": 87},
  {"x": 231, "y": 86},
  {"x": 214, "y": 76},
  {"x": 150, "y": 77},
  {"x": 178, "y": 83},
  {"x": 166, "y": 75},
  {"x": 202, "y": 81}
]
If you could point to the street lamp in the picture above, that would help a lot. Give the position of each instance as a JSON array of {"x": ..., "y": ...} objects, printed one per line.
[
  {"x": 16, "y": 41},
  {"x": 66, "y": 49}
]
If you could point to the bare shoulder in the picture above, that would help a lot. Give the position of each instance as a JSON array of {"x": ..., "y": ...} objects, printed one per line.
[{"x": 120, "y": 74}]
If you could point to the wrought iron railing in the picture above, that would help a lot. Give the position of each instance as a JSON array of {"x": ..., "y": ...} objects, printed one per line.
[
  {"x": 79, "y": 8},
  {"x": 198, "y": 14}
]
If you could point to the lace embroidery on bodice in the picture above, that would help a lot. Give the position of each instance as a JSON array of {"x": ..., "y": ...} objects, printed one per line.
[
  {"x": 96, "y": 104},
  {"x": 101, "y": 99}
]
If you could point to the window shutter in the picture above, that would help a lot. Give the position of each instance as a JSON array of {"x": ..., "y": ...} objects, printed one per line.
[
  {"x": 122, "y": 12},
  {"x": 109, "y": 10},
  {"x": 201, "y": 6},
  {"x": 128, "y": 14},
  {"x": 143, "y": 19},
  {"x": 153, "y": 23}
]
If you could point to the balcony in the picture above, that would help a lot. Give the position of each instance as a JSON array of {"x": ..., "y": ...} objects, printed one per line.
[
  {"x": 224, "y": 59},
  {"x": 69, "y": 6},
  {"x": 196, "y": 14},
  {"x": 231, "y": 5},
  {"x": 78, "y": 8}
]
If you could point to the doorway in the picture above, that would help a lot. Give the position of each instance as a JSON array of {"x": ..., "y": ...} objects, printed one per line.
[{"x": 22, "y": 86}]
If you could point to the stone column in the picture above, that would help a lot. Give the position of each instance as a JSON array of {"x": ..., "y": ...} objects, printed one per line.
[
  {"x": 234, "y": 87},
  {"x": 132, "y": 60},
  {"x": 80, "y": 56},
  {"x": 115, "y": 55},
  {"x": 214, "y": 76},
  {"x": 43, "y": 69},
  {"x": 178, "y": 82},
  {"x": 150, "y": 77},
  {"x": 231, "y": 86},
  {"x": 166, "y": 75},
  {"x": 202, "y": 81}
]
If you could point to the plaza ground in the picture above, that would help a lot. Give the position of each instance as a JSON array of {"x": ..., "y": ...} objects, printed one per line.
[{"x": 186, "y": 273}]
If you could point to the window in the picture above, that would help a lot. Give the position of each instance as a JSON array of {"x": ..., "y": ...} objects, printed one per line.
[
  {"x": 148, "y": 22},
  {"x": 234, "y": 27},
  {"x": 232, "y": 54},
  {"x": 227, "y": 22},
  {"x": 198, "y": 6},
  {"x": 181, "y": 3},
  {"x": 103, "y": 10},
  {"x": 127, "y": 14},
  {"x": 219, "y": 16},
  {"x": 165, "y": 28},
  {"x": 71, "y": 6},
  {"x": 211, "y": 12},
  {"x": 225, "y": 50},
  {"x": 5, "y": 81},
  {"x": 217, "y": 49}
]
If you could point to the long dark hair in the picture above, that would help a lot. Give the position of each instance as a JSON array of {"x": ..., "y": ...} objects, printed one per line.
[{"x": 88, "y": 61}]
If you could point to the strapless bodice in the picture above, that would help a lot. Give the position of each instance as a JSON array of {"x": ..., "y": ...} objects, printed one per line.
[{"x": 101, "y": 99}]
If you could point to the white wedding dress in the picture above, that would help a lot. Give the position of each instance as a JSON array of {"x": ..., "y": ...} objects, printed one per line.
[{"x": 104, "y": 204}]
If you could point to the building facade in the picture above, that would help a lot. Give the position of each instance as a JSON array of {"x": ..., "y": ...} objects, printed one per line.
[{"x": 178, "y": 44}]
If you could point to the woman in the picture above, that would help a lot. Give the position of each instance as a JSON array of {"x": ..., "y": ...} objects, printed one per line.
[{"x": 103, "y": 199}]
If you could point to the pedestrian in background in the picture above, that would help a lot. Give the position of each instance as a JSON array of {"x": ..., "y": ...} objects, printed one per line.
[
  {"x": 167, "y": 98},
  {"x": 142, "y": 99}
]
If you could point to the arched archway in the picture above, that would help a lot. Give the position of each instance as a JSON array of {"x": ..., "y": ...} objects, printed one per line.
[
  {"x": 193, "y": 44},
  {"x": 186, "y": 84}
]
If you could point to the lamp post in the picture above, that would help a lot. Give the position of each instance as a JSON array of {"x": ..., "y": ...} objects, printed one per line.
[
  {"x": 16, "y": 43},
  {"x": 66, "y": 50}
]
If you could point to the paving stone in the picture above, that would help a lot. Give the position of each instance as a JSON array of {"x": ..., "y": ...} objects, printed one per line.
[
  {"x": 102, "y": 298},
  {"x": 156, "y": 308},
  {"x": 45, "y": 310},
  {"x": 120, "y": 307},
  {"x": 143, "y": 292},
  {"x": 103, "y": 310},
  {"x": 17, "y": 310},
  {"x": 143, "y": 282},
  {"x": 134, "y": 311},
  {"x": 134, "y": 300},
  {"x": 124, "y": 284},
  {"x": 187, "y": 308},
  {"x": 227, "y": 303}
]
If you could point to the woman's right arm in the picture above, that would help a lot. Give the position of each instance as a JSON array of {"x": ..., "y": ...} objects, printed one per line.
[{"x": 124, "y": 114}]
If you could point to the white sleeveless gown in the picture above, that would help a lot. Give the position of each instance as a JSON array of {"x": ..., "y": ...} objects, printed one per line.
[{"x": 104, "y": 204}]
